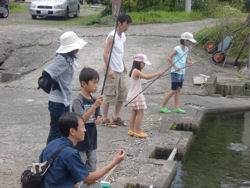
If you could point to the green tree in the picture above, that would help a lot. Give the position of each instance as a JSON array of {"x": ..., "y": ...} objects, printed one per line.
[{"x": 92, "y": 1}]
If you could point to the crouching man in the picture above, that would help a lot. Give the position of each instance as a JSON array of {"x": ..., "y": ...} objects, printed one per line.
[{"x": 68, "y": 169}]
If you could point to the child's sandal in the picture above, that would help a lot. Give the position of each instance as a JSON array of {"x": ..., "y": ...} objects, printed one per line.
[
  {"x": 131, "y": 133},
  {"x": 140, "y": 135}
]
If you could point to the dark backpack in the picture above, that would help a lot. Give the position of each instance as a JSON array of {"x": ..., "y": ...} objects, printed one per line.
[
  {"x": 33, "y": 176},
  {"x": 46, "y": 83}
]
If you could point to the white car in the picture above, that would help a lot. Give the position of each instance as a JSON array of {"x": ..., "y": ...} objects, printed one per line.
[{"x": 63, "y": 8}]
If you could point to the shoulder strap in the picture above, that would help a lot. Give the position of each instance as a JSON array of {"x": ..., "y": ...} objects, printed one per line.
[
  {"x": 67, "y": 57},
  {"x": 56, "y": 153}
]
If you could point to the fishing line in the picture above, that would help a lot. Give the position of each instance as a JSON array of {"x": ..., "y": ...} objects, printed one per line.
[
  {"x": 180, "y": 57},
  {"x": 154, "y": 81}
]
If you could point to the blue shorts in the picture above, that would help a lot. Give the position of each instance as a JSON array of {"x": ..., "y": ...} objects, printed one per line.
[{"x": 176, "y": 81}]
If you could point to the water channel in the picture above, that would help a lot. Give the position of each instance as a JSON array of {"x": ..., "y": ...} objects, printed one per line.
[{"x": 219, "y": 155}]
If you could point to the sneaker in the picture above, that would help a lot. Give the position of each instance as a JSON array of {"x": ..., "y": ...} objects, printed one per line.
[
  {"x": 164, "y": 110},
  {"x": 180, "y": 111},
  {"x": 140, "y": 135},
  {"x": 131, "y": 133}
]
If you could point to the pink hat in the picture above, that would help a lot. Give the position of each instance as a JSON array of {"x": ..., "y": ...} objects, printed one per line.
[{"x": 141, "y": 58}]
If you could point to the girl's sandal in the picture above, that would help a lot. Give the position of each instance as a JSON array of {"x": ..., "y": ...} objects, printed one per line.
[
  {"x": 131, "y": 133},
  {"x": 107, "y": 123},
  {"x": 140, "y": 135},
  {"x": 119, "y": 122}
]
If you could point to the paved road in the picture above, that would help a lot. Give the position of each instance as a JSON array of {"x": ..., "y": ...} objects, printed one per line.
[{"x": 25, "y": 17}]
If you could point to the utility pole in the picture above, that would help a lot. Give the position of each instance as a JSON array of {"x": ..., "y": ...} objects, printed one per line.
[{"x": 188, "y": 4}]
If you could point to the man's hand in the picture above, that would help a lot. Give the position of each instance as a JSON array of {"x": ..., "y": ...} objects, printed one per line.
[
  {"x": 125, "y": 70},
  {"x": 111, "y": 74},
  {"x": 119, "y": 156}
]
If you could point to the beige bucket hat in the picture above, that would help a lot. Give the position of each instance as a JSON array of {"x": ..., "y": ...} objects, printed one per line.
[
  {"x": 188, "y": 36},
  {"x": 69, "y": 41}
]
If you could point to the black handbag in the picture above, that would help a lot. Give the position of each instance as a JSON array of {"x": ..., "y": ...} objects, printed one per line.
[
  {"x": 46, "y": 83},
  {"x": 33, "y": 176}
]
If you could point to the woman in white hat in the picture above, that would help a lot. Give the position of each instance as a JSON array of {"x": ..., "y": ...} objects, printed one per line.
[
  {"x": 178, "y": 60},
  {"x": 61, "y": 70}
]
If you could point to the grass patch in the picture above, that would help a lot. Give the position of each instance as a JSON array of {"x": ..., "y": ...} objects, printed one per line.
[
  {"x": 79, "y": 21},
  {"x": 17, "y": 7},
  {"x": 163, "y": 17}
]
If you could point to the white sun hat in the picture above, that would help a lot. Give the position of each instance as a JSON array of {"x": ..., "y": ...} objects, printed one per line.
[
  {"x": 188, "y": 36},
  {"x": 142, "y": 58},
  {"x": 69, "y": 41}
]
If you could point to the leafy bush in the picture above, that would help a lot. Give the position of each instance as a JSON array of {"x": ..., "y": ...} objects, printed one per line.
[
  {"x": 201, "y": 5},
  {"x": 247, "y": 5},
  {"x": 92, "y": 1},
  {"x": 227, "y": 12},
  {"x": 106, "y": 11},
  {"x": 211, "y": 8},
  {"x": 139, "y": 5},
  {"x": 160, "y": 8}
]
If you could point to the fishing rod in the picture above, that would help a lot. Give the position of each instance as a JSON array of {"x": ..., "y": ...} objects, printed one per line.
[
  {"x": 180, "y": 57},
  {"x": 154, "y": 81},
  {"x": 158, "y": 77},
  {"x": 110, "y": 54}
]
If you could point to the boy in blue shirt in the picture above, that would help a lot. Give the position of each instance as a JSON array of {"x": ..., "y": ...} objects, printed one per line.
[{"x": 89, "y": 109}]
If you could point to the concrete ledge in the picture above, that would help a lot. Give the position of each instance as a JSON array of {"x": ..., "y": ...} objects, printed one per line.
[
  {"x": 237, "y": 89},
  {"x": 210, "y": 86},
  {"x": 228, "y": 85},
  {"x": 227, "y": 110},
  {"x": 158, "y": 173}
]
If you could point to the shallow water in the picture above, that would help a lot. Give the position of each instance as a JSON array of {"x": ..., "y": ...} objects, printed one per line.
[{"x": 219, "y": 155}]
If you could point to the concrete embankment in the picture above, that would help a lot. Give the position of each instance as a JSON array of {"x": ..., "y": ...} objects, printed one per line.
[{"x": 25, "y": 118}]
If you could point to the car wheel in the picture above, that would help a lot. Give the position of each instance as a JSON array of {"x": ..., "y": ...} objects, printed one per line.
[
  {"x": 66, "y": 16},
  {"x": 33, "y": 17},
  {"x": 5, "y": 12},
  {"x": 77, "y": 12}
]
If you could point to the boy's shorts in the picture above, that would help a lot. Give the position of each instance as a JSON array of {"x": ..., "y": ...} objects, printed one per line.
[
  {"x": 91, "y": 163},
  {"x": 115, "y": 89},
  {"x": 176, "y": 81}
]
